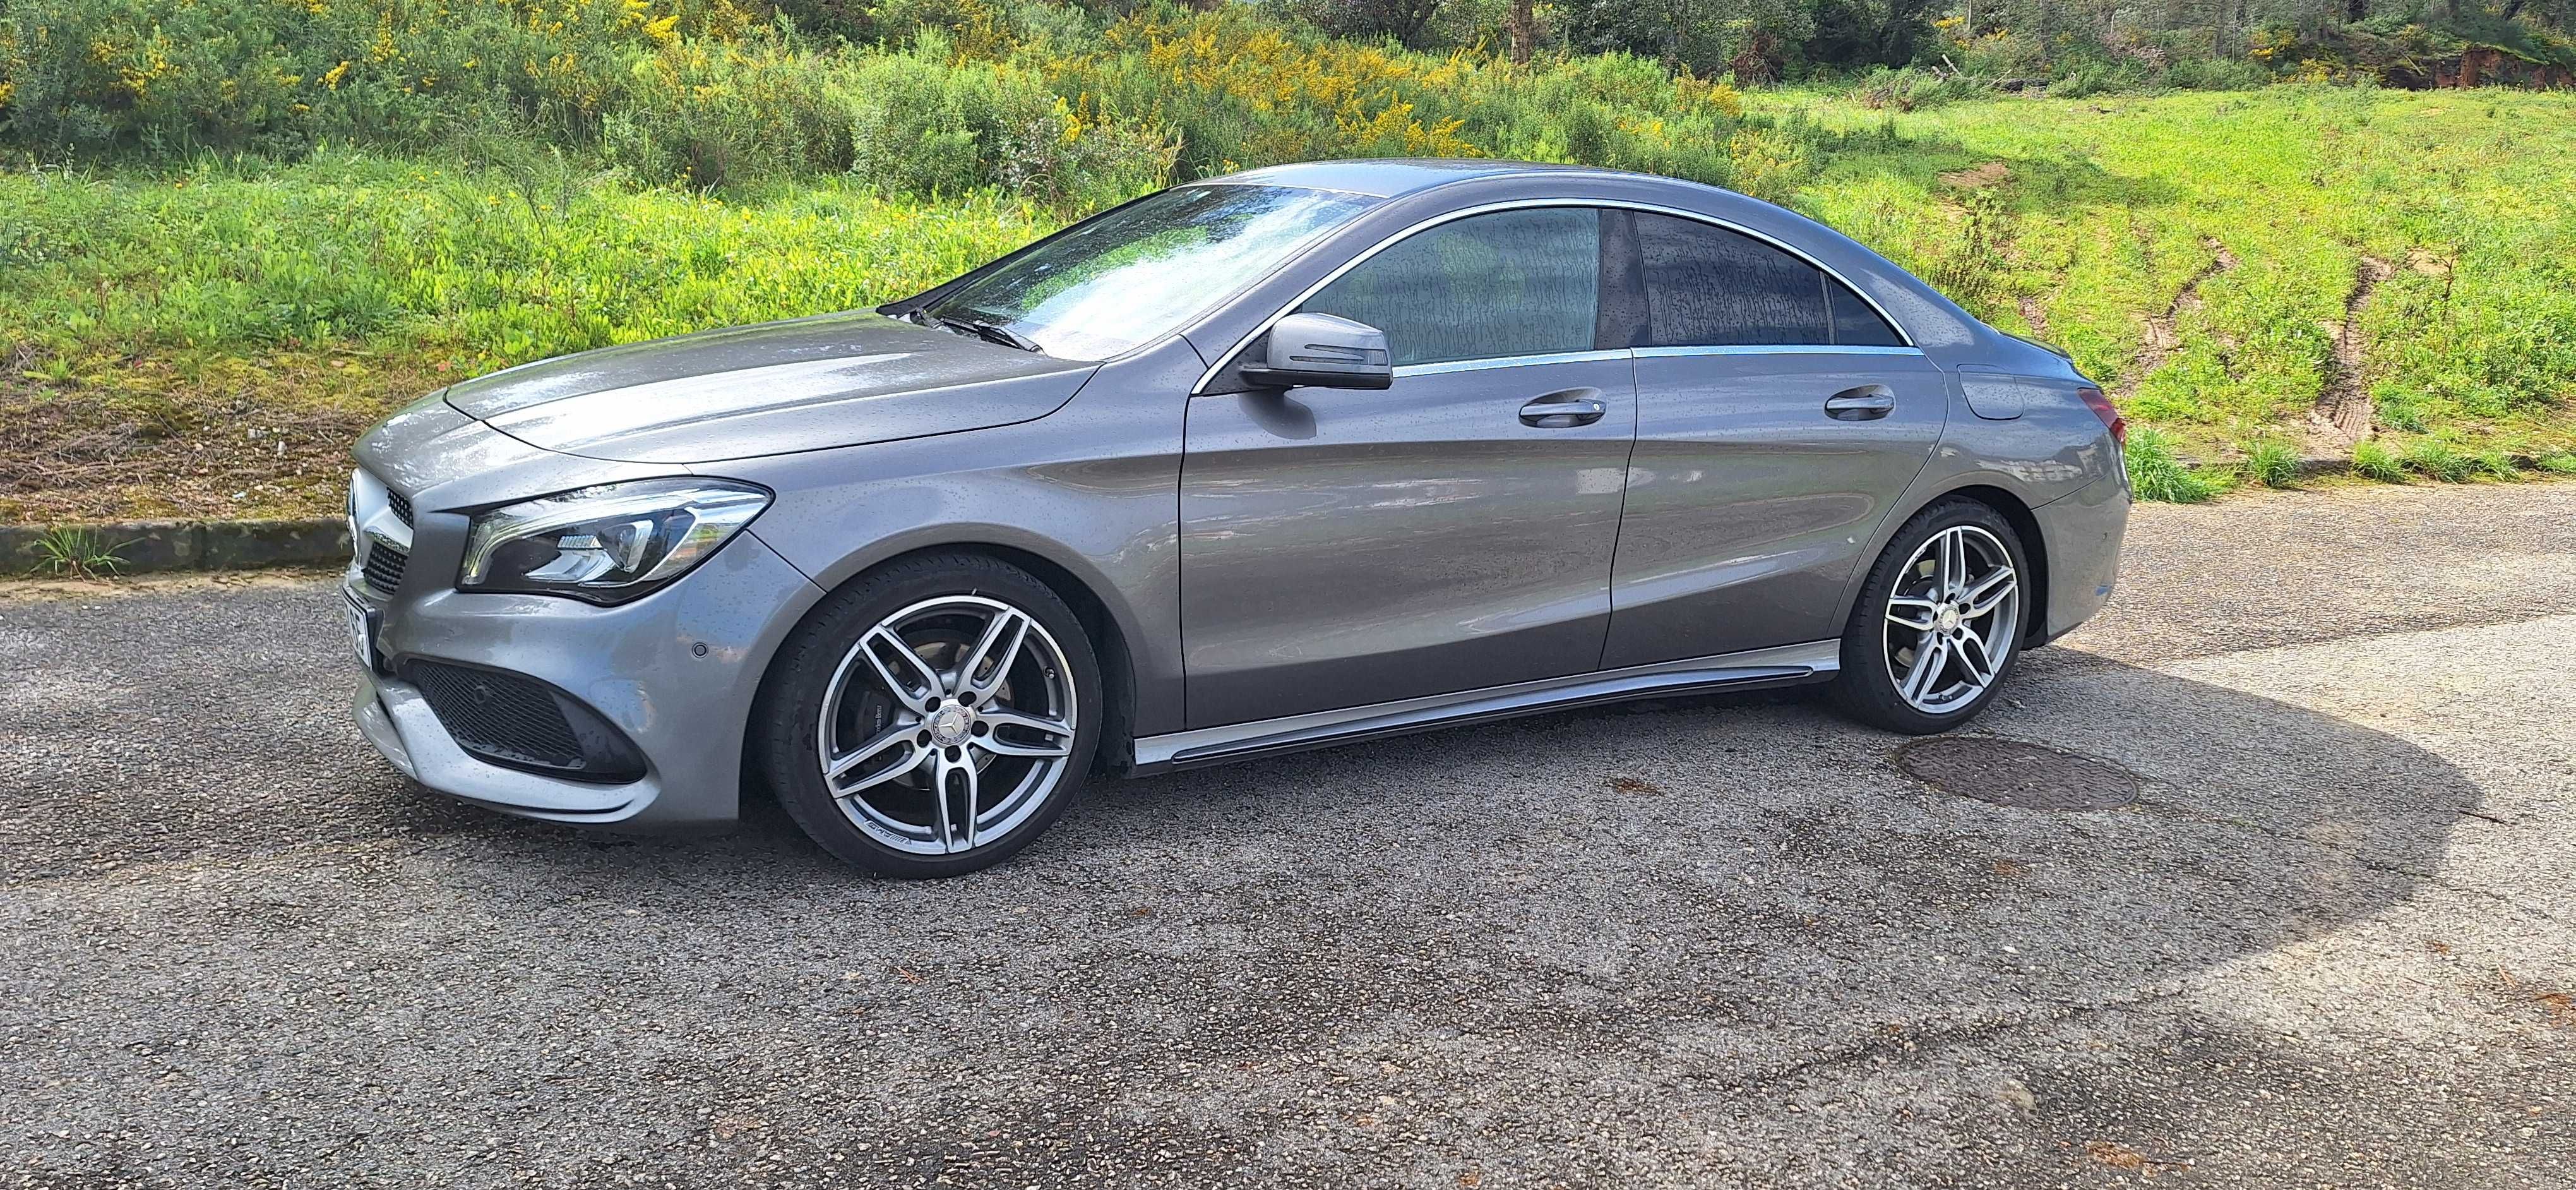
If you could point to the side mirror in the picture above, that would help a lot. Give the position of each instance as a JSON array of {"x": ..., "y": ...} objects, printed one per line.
[{"x": 1322, "y": 351}]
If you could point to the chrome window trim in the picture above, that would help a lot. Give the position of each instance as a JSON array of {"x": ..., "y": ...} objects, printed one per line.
[
  {"x": 1772, "y": 349},
  {"x": 1510, "y": 361},
  {"x": 1226, "y": 358}
]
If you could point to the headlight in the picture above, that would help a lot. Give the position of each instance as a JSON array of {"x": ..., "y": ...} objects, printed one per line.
[{"x": 606, "y": 544}]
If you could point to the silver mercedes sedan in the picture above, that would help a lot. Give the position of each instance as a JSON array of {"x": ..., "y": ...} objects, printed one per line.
[{"x": 1301, "y": 455}]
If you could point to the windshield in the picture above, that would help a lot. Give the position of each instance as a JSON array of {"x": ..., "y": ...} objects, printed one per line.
[{"x": 1137, "y": 272}]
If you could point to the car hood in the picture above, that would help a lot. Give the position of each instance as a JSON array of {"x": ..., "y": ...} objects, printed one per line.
[{"x": 832, "y": 380}]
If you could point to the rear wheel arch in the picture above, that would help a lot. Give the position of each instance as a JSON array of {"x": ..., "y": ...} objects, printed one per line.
[
  {"x": 2034, "y": 548},
  {"x": 2015, "y": 512}
]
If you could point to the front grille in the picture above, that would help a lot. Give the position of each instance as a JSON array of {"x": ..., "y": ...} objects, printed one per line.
[
  {"x": 401, "y": 504},
  {"x": 518, "y": 721},
  {"x": 384, "y": 565}
]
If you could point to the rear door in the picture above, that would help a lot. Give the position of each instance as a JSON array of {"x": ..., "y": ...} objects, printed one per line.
[
  {"x": 1346, "y": 547},
  {"x": 1778, "y": 415}
]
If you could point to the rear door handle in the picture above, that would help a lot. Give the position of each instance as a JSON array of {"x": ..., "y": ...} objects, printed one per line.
[
  {"x": 1869, "y": 402},
  {"x": 1565, "y": 410}
]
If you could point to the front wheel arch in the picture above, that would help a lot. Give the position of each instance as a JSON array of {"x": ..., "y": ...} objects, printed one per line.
[{"x": 1109, "y": 646}]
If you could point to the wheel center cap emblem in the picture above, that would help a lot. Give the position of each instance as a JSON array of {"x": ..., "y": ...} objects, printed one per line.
[
  {"x": 949, "y": 724},
  {"x": 1948, "y": 619}
]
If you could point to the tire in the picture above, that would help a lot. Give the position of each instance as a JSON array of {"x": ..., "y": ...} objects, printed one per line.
[
  {"x": 951, "y": 752},
  {"x": 1899, "y": 619}
]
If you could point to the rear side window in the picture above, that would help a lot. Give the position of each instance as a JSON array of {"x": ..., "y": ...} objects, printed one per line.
[
  {"x": 1855, "y": 324},
  {"x": 1483, "y": 287},
  {"x": 1710, "y": 287}
]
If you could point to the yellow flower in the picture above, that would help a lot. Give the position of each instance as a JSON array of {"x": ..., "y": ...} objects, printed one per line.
[{"x": 332, "y": 79}]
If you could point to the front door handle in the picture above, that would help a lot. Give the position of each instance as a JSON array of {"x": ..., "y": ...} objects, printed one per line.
[
  {"x": 1565, "y": 410},
  {"x": 1869, "y": 402}
]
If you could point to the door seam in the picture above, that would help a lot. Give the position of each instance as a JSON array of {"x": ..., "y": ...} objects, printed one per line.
[{"x": 1610, "y": 589}]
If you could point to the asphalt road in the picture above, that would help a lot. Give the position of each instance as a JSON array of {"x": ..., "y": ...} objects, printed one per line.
[{"x": 1708, "y": 942}]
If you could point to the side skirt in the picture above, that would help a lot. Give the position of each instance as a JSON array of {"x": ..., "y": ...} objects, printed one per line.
[{"x": 1780, "y": 666}]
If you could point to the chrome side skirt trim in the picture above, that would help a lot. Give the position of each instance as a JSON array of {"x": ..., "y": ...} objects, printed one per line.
[{"x": 1755, "y": 667}]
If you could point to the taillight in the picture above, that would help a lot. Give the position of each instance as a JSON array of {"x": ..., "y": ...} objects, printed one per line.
[{"x": 2108, "y": 412}]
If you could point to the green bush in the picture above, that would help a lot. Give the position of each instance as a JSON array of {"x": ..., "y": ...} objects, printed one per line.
[
  {"x": 2078, "y": 80},
  {"x": 2215, "y": 74},
  {"x": 924, "y": 124},
  {"x": 1914, "y": 89}
]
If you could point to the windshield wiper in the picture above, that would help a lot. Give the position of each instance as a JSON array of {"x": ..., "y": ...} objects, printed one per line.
[
  {"x": 994, "y": 332},
  {"x": 990, "y": 332}
]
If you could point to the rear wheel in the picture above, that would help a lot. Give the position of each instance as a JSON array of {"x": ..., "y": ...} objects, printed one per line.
[
  {"x": 1939, "y": 623},
  {"x": 932, "y": 718}
]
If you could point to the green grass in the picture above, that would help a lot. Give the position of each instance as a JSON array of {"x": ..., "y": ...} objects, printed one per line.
[
  {"x": 239, "y": 262},
  {"x": 2245, "y": 222},
  {"x": 2195, "y": 252}
]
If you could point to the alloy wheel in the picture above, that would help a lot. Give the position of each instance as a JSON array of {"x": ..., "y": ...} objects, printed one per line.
[
  {"x": 947, "y": 724},
  {"x": 1951, "y": 620}
]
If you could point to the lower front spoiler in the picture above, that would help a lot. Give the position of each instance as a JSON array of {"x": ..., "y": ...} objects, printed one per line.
[{"x": 398, "y": 721}]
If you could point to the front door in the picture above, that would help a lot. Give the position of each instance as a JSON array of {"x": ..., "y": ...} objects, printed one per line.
[
  {"x": 1779, "y": 416},
  {"x": 1345, "y": 547}
]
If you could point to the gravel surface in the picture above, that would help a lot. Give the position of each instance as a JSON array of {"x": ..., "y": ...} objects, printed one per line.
[{"x": 1708, "y": 942}]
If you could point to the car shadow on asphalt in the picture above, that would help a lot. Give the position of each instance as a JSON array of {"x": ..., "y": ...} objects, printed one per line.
[
  {"x": 2256, "y": 821},
  {"x": 1745, "y": 890}
]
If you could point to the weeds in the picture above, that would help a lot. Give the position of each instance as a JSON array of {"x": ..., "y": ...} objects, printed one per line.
[
  {"x": 2272, "y": 465},
  {"x": 2156, "y": 473},
  {"x": 2374, "y": 461},
  {"x": 77, "y": 553},
  {"x": 2433, "y": 458}
]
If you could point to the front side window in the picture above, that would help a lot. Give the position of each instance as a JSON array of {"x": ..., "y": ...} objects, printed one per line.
[
  {"x": 1133, "y": 274},
  {"x": 1484, "y": 287}
]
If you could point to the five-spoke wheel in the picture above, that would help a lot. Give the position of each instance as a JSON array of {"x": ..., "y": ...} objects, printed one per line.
[
  {"x": 1951, "y": 619},
  {"x": 945, "y": 722},
  {"x": 939, "y": 708},
  {"x": 1937, "y": 624}
]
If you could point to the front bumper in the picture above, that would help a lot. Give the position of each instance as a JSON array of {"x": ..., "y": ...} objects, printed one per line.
[{"x": 676, "y": 671}]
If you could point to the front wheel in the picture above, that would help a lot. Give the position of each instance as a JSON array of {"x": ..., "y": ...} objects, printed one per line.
[
  {"x": 1938, "y": 624},
  {"x": 931, "y": 718}
]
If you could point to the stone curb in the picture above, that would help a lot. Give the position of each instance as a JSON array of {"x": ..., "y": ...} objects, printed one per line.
[{"x": 153, "y": 546}]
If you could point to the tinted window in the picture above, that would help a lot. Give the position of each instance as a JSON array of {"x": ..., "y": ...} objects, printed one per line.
[
  {"x": 1855, "y": 323},
  {"x": 1509, "y": 283},
  {"x": 1710, "y": 287},
  {"x": 1133, "y": 273}
]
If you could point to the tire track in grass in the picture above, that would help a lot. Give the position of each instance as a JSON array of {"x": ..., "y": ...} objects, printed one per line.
[
  {"x": 2163, "y": 336},
  {"x": 2343, "y": 413}
]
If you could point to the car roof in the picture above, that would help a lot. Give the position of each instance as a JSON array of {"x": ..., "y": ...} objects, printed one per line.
[{"x": 1394, "y": 176}]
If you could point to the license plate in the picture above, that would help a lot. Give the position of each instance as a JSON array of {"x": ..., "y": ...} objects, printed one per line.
[{"x": 362, "y": 630}]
